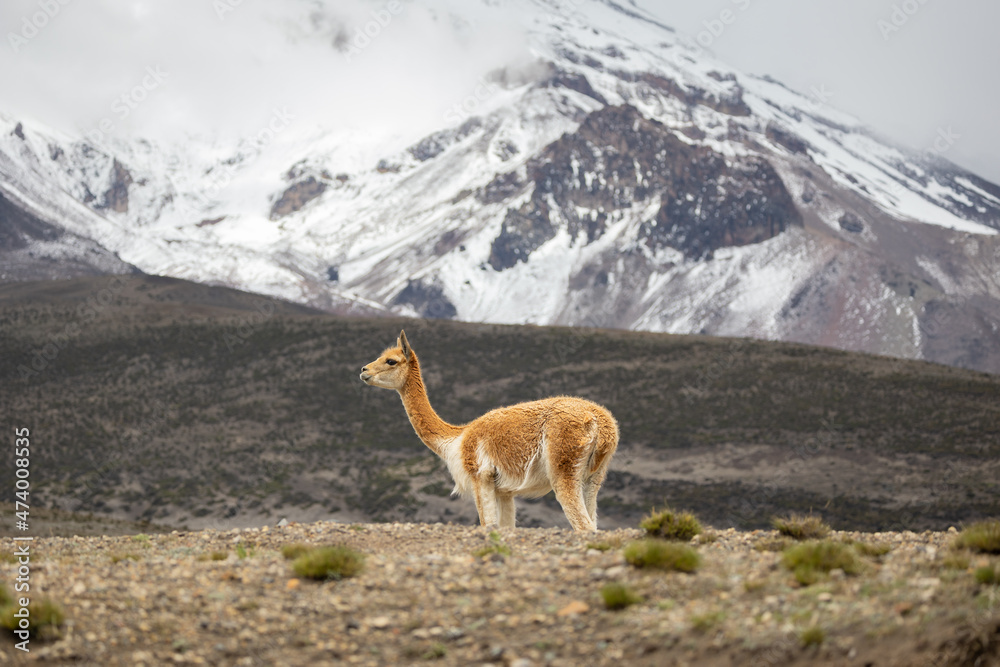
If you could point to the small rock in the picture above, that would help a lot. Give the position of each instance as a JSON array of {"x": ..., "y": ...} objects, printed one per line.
[
  {"x": 573, "y": 608},
  {"x": 824, "y": 597},
  {"x": 292, "y": 584},
  {"x": 380, "y": 622},
  {"x": 282, "y": 523},
  {"x": 904, "y": 608}
]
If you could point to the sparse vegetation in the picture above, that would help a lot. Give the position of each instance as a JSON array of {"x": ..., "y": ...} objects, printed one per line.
[
  {"x": 872, "y": 549},
  {"x": 811, "y": 561},
  {"x": 671, "y": 525},
  {"x": 662, "y": 555},
  {"x": 617, "y": 595},
  {"x": 773, "y": 544},
  {"x": 801, "y": 527},
  {"x": 983, "y": 536},
  {"x": 46, "y": 616},
  {"x": 987, "y": 575},
  {"x": 704, "y": 622},
  {"x": 245, "y": 551},
  {"x": 293, "y": 551},
  {"x": 332, "y": 562},
  {"x": 600, "y": 546},
  {"x": 120, "y": 556},
  {"x": 812, "y": 636},
  {"x": 956, "y": 560},
  {"x": 495, "y": 547}
]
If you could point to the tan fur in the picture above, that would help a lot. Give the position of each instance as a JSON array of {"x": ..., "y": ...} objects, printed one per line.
[{"x": 564, "y": 444}]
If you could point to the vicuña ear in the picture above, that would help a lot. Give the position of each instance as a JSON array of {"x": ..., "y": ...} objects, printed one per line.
[{"x": 404, "y": 345}]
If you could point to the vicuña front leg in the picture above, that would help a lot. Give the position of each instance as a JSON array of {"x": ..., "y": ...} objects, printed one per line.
[{"x": 507, "y": 511}]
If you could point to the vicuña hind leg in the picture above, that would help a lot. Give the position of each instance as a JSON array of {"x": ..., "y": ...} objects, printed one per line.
[
  {"x": 507, "y": 511},
  {"x": 570, "y": 496},
  {"x": 590, "y": 488}
]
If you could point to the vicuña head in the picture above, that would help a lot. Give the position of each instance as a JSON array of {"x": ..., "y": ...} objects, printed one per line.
[{"x": 560, "y": 444}]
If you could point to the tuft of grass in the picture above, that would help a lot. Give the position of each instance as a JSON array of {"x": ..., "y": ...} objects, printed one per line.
[
  {"x": 811, "y": 561},
  {"x": 671, "y": 525},
  {"x": 45, "y": 616},
  {"x": 245, "y": 550},
  {"x": 293, "y": 551},
  {"x": 956, "y": 560},
  {"x": 7, "y": 557},
  {"x": 213, "y": 555},
  {"x": 142, "y": 539},
  {"x": 705, "y": 622},
  {"x": 619, "y": 596},
  {"x": 872, "y": 549},
  {"x": 987, "y": 576},
  {"x": 495, "y": 547},
  {"x": 801, "y": 527},
  {"x": 435, "y": 652},
  {"x": 773, "y": 544},
  {"x": 600, "y": 546},
  {"x": 983, "y": 536},
  {"x": 333, "y": 562},
  {"x": 812, "y": 636},
  {"x": 119, "y": 557},
  {"x": 662, "y": 555},
  {"x": 5, "y": 597}
]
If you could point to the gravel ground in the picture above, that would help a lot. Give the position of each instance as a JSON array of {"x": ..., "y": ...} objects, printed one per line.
[{"x": 423, "y": 598}]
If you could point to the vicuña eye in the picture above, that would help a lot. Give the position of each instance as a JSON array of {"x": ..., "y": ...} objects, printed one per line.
[{"x": 391, "y": 362}]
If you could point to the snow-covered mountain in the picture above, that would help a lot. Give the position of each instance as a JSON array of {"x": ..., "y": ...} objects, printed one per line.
[{"x": 614, "y": 177}]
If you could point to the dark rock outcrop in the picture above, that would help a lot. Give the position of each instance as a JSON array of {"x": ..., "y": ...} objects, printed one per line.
[
  {"x": 115, "y": 197},
  {"x": 428, "y": 300},
  {"x": 296, "y": 196},
  {"x": 618, "y": 158}
]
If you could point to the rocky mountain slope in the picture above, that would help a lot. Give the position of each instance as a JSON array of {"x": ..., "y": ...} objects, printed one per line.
[{"x": 612, "y": 176}]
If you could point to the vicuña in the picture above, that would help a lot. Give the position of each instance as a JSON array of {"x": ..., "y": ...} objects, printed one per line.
[{"x": 560, "y": 444}]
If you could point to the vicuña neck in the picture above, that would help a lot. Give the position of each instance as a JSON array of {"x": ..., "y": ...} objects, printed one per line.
[{"x": 430, "y": 428}]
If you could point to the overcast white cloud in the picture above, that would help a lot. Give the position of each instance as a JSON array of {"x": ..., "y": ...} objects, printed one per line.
[
  {"x": 940, "y": 69},
  {"x": 937, "y": 72},
  {"x": 225, "y": 71}
]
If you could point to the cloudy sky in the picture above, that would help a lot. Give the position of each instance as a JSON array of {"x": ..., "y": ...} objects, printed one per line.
[
  {"x": 910, "y": 76},
  {"x": 939, "y": 68}
]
